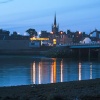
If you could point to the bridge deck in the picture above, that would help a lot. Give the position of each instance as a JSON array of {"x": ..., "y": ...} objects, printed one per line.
[
  {"x": 78, "y": 45},
  {"x": 85, "y": 46}
]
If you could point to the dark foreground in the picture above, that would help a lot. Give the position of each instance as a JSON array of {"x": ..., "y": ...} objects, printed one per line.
[{"x": 75, "y": 90}]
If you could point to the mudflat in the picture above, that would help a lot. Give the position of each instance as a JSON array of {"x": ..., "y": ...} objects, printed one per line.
[{"x": 74, "y": 90}]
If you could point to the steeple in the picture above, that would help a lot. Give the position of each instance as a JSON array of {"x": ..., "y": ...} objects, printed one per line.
[
  {"x": 55, "y": 20},
  {"x": 55, "y": 27}
]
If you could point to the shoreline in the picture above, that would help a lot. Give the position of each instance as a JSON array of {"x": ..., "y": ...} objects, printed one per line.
[{"x": 73, "y": 90}]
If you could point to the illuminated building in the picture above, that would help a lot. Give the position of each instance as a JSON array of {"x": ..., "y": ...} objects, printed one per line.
[
  {"x": 37, "y": 42},
  {"x": 57, "y": 37}
]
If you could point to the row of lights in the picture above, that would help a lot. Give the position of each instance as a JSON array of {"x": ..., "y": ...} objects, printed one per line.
[{"x": 60, "y": 32}]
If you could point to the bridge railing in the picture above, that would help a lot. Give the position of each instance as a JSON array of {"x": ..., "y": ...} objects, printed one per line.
[{"x": 76, "y": 44}]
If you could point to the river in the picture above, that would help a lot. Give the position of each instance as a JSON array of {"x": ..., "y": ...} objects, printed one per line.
[{"x": 26, "y": 70}]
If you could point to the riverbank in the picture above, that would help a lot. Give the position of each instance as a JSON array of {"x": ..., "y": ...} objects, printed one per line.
[
  {"x": 75, "y": 90},
  {"x": 37, "y": 51}
]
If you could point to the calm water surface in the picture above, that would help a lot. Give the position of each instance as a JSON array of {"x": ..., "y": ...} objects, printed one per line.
[{"x": 24, "y": 70}]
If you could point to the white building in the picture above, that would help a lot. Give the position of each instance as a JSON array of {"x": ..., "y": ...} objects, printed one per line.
[{"x": 86, "y": 40}]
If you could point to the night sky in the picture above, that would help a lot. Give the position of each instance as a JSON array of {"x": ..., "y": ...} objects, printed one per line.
[{"x": 20, "y": 15}]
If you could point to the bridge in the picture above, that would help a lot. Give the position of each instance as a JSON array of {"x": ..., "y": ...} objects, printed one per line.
[
  {"x": 90, "y": 45},
  {"x": 76, "y": 51},
  {"x": 80, "y": 45}
]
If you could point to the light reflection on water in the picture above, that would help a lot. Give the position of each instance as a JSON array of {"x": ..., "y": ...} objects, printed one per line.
[{"x": 17, "y": 70}]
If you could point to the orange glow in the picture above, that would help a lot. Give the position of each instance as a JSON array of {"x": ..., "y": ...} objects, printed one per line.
[
  {"x": 53, "y": 72},
  {"x": 54, "y": 41},
  {"x": 61, "y": 32},
  {"x": 40, "y": 39}
]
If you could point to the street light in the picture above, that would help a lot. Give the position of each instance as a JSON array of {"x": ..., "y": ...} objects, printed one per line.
[
  {"x": 79, "y": 32},
  {"x": 51, "y": 32}
]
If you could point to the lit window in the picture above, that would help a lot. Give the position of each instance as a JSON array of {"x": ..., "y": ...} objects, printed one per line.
[{"x": 51, "y": 32}]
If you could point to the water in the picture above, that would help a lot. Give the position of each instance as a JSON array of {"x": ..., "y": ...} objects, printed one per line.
[{"x": 25, "y": 70}]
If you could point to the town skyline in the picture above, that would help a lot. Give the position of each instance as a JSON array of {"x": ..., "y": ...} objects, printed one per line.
[{"x": 22, "y": 15}]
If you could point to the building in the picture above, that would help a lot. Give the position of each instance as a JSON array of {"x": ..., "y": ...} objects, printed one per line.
[
  {"x": 4, "y": 34},
  {"x": 95, "y": 35},
  {"x": 37, "y": 42},
  {"x": 55, "y": 27},
  {"x": 44, "y": 34},
  {"x": 86, "y": 40},
  {"x": 57, "y": 37}
]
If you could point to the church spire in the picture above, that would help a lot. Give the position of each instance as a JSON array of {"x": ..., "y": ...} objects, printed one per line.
[
  {"x": 55, "y": 26},
  {"x": 55, "y": 20}
]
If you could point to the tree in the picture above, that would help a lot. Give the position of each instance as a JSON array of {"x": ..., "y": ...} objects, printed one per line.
[
  {"x": 14, "y": 33},
  {"x": 68, "y": 31},
  {"x": 31, "y": 32},
  {"x": 1, "y": 30},
  {"x": 4, "y": 32}
]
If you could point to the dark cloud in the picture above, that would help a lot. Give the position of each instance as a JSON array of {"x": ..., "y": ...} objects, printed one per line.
[{"x": 5, "y": 1}]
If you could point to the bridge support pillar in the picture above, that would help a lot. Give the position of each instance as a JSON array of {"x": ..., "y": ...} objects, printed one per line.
[
  {"x": 98, "y": 54},
  {"x": 79, "y": 54},
  {"x": 89, "y": 54}
]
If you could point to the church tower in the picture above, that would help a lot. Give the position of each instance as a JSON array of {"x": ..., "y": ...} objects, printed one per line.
[{"x": 55, "y": 27}]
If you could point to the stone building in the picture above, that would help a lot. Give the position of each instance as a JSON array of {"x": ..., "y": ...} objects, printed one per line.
[{"x": 57, "y": 37}]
